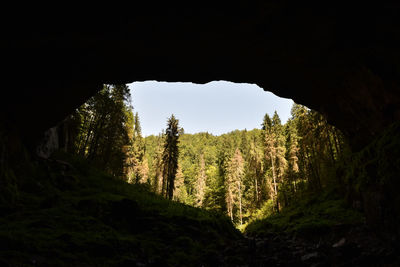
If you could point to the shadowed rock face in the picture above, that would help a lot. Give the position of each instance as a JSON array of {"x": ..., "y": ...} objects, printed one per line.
[{"x": 343, "y": 61}]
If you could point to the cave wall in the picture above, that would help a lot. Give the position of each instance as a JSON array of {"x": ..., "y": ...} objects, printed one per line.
[{"x": 342, "y": 60}]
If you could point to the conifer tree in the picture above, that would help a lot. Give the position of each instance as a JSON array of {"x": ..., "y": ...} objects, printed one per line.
[
  {"x": 170, "y": 156},
  {"x": 130, "y": 160},
  {"x": 280, "y": 149},
  {"x": 180, "y": 193},
  {"x": 140, "y": 169},
  {"x": 274, "y": 152},
  {"x": 138, "y": 128},
  {"x": 200, "y": 182},
  {"x": 234, "y": 184},
  {"x": 256, "y": 170},
  {"x": 158, "y": 165},
  {"x": 292, "y": 150}
]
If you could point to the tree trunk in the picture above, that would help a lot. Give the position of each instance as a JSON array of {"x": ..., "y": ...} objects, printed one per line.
[
  {"x": 240, "y": 205},
  {"x": 230, "y": 206},
  {"x": 294, "y": 185},
  {"x": 317, "y": 168},
  {"x": 274, "y": 177},
  {"x": 82, "y": 149},
  {"x": 256, "y": 188},
  {"x": 336, "y": 141},
  {"x": 331, "y": 147}
]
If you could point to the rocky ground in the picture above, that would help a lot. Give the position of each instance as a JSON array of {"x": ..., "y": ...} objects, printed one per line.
[{"x": 344, "y": 246}]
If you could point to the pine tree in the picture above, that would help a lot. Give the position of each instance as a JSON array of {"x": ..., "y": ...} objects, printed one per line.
[
  {"x": 158, "y": 166},
  {"x": 180, "y": 193},
  {"x": 234, "y": 184},
  {"x": 170, "y": 156},
  {"x": 293, "y": 149},
  {"x": 200, "y": 182},
  {"x": 130, "y": 160},
  {"x": 256, "y": 170},
  {"x": 137, "y": 127},
  {"x": 274, "y": 151},
  {"x": 138, "y": 147},
  {"x": 280, "y": 149}
]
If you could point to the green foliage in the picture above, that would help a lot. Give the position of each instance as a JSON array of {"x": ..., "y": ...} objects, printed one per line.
[
  {"x": 313, "y": 215},
  {"x": 136, "y": 165},
  {"x": 266, "y": 210},
  {"x": 281, "y": 163},
  {"x": 98, "y": 129}
]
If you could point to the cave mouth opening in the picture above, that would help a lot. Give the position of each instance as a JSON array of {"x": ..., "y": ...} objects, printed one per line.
[{"x": 229, "y": 134}]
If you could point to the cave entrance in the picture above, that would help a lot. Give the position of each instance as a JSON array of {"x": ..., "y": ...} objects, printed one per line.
[{"x": 235, "y": 148}]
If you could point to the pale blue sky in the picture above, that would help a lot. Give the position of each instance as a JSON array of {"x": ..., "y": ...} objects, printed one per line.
[{"x": 217, "y": 107}]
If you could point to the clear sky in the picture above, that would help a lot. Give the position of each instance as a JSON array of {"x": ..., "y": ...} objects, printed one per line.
[{"x": 217, "y": 107}]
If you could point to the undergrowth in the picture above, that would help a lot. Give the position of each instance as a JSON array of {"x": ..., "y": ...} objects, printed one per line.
[
  {"x": 70, "y": 214},
  {"x": 313, "y": 215}
]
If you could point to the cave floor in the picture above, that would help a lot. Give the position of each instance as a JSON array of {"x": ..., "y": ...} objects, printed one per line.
[{"x": 355, "y": 246}]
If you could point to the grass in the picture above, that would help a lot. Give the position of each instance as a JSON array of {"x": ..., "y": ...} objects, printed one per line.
[
  {"x": 311, "y": 216},
  {"x": 68, "y": 213}
]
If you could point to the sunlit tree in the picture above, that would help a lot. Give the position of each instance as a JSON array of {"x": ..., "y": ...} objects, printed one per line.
[
  {"x": 234, "y": 184},
  {"x": 201, "y": 178}
]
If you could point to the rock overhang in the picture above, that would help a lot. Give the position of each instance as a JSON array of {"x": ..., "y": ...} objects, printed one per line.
[{"x": 340, "y": 60}]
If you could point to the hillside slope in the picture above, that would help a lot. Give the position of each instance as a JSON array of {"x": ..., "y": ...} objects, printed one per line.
[{"x": 66, "y": 213}]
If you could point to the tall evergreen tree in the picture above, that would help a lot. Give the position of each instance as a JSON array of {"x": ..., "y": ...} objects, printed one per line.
[
  {"x": 170, "y": 156},
  {"x": 292, "y": 147},
  {"x": 200, "y": 182},
  {"x": 234, "y": 184},
  {"x": 280, "y": 149},
  {"x": 137, "y": 127},
  {"x": 158, "y": 166},
  {"x": 140, "y": 170},
  {"x": 130, "y": 159},
  {"x": 256, "y": 170},
  {"x": 274, "y": 152}
]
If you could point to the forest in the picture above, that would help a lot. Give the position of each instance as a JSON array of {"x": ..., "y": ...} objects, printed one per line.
[{"x": 245, "y": 174}]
